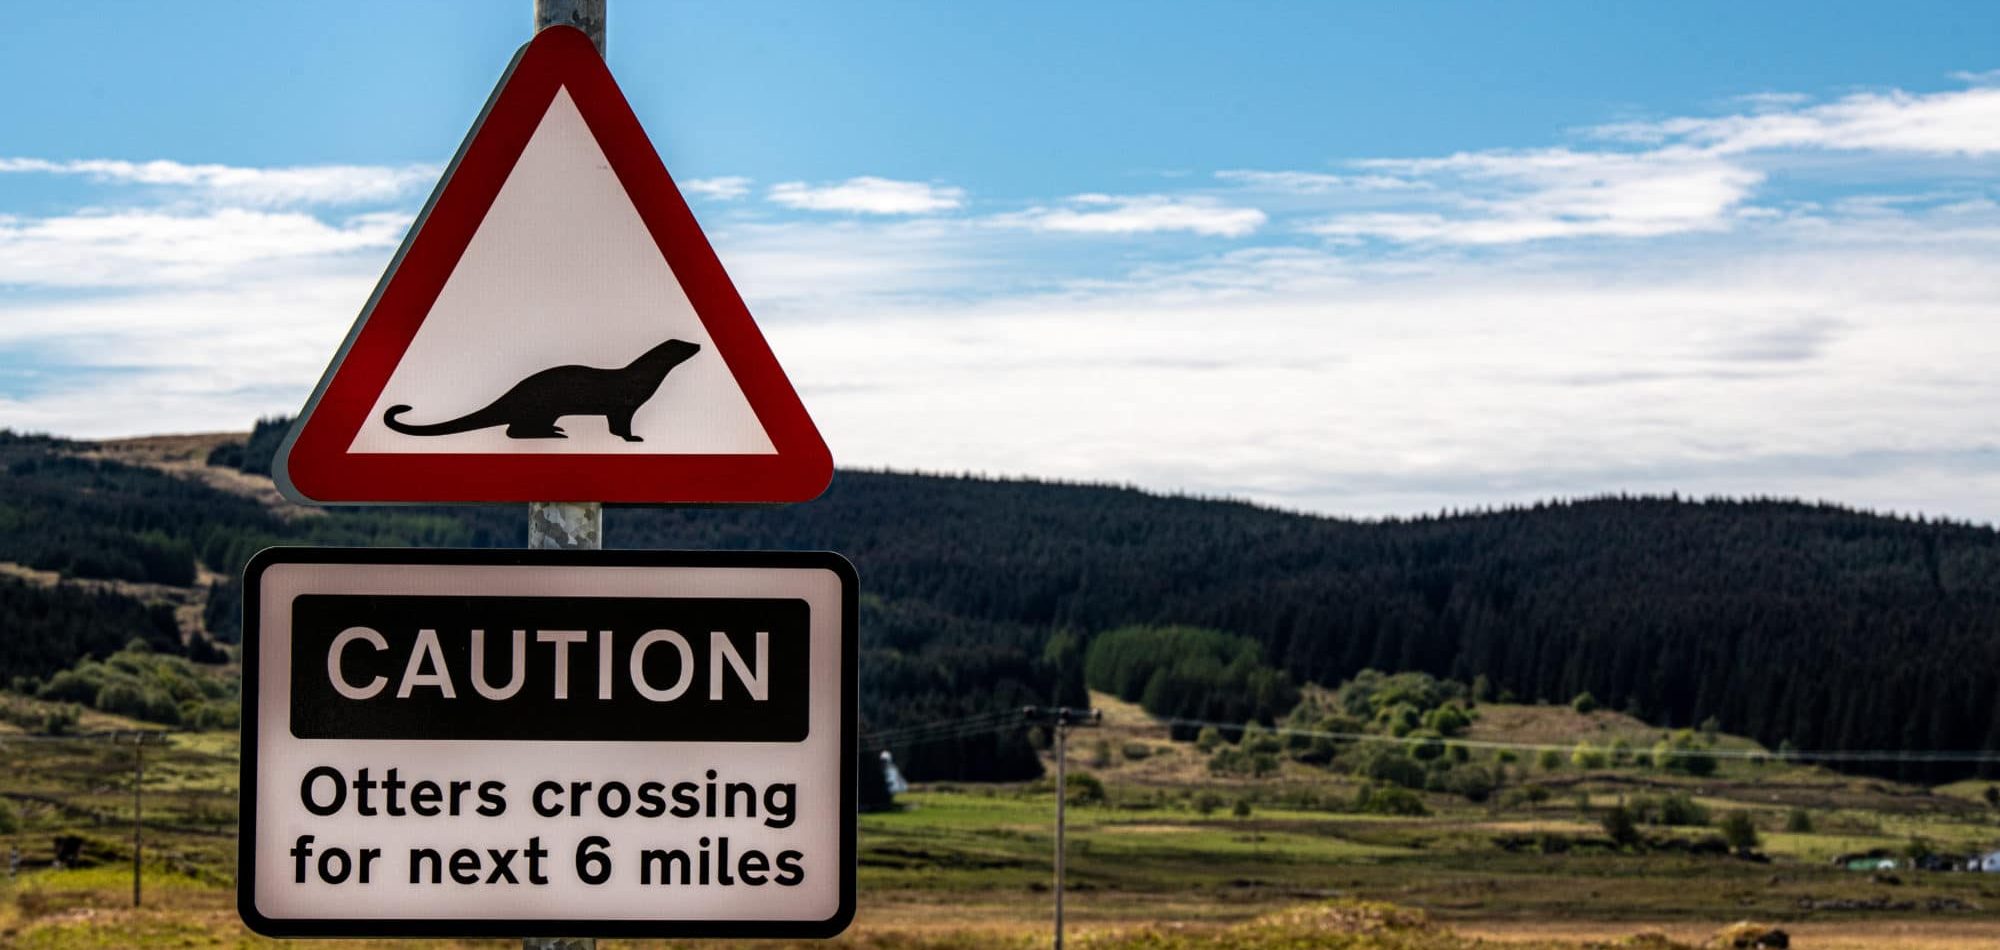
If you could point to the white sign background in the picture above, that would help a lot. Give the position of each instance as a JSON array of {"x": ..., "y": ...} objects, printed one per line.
[
  {"x": 562, "y": 271},
  {"x": 281, "y": 762}
]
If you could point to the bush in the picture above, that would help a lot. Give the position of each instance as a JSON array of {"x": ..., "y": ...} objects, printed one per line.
[
  {"x": 1258, "y": 740},
  {"x": 1739, "y": 831},
  {"x": 1208, "y": 739},
  {"x": 1587, "y": 756},
  {"x": 1800, "y": 822},
  {"x": 1390, "y": 765},
  {"x": 1620, "y": 826},
  {"x": 1549, "y": 760},
  {"x": 1426, "y": 745},
  {"x": 1684, "y": 754},
  {"x": 1448, "y": 720},
  {"x": 1674, "y": 810},
  {"x": 60, "y": 720},
  {"x": 1084, "y": 788},
  {"x": 1207, "y": 802},
  {"x": 1389, "y": 800},
  {"x": 1135, "y": 751},
  {"x": 1530, "y": 795},
  {"x": 1584, "y": 703},
  {"x": 1472, "y": 782}
]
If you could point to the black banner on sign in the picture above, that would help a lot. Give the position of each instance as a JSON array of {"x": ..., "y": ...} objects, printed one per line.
[{"x": 574, "y": 668}]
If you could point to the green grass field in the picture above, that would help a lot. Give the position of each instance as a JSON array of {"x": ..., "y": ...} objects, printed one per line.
[{"x": 1151, "y": 865}]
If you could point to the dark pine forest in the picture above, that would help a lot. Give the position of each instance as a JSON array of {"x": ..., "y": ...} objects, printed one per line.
[{"x": 1815, "y": 625}]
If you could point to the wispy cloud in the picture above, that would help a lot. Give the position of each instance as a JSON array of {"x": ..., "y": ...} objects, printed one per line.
[
  {"x": 1317, "y": 183},
  {"x": 1510, "y": 197},
  {"x": 869, "y": 195},
  {"x": 255, "y": 187},
  {"x": 153, "y": 248},
  {"x": 1141, "y": 214},
  {"x": 1960, "y": 122},
  {"x": 1654, "y": 178},
  {"x": 724, "y": 188}
]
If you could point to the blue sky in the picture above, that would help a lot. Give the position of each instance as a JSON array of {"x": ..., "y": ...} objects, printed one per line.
[{"x": 1353, "y": 258}]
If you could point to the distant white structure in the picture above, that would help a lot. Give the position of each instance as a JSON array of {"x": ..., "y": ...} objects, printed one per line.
[
  {"x": 1988, "y": 862},
  {"x": 893, "y": 777}
]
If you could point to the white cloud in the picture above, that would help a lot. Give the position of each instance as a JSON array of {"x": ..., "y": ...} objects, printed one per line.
[
  {"x": 1316, "y": 183},
  {"x": 1309, "y": 380},
  {"x": 1140, "y": 214},
  {"x": 255, "y": 187},
  {"x": 1656, "y": 178},
  {"x": 1510, "y": 197},
  {"x": 152, "y": 248},
  {"x": 724, "y": 188},
  {"x": 1959, "y": 122},
  {"x": 869, "y": 195}
]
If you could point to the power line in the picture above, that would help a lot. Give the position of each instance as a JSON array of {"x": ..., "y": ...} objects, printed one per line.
[{"x": 984, "y": 723}]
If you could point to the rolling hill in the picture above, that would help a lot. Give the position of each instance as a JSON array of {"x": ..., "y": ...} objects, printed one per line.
[{"x": 1815, "y": 625}]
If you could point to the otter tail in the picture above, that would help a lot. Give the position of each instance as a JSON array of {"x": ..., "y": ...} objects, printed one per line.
[{"x": 481, "y": 419}]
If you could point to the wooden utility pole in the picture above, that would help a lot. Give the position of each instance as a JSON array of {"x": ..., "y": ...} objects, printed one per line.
[
  {"x": 572, "y": 526},
  {"x": 1062, "y": 719},
  {"x": 138, "y": 779}
]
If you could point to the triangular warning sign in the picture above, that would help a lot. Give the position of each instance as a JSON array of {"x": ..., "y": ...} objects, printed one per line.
[{"x": 555, "y": 328}]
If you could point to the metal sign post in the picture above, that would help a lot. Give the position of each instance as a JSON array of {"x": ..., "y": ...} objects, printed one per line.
[{"x": 563, "y": 525}]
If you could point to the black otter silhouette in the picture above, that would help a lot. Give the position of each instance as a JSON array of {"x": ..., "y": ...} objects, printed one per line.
[{"x": 531, "y": 407}]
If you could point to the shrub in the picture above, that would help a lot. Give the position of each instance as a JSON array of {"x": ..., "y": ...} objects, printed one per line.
[
  {"x": 1619, "y": 825},
  {"x": 1207, "y": 802},
  {"x": 1474, "y": 783},
  {"x": 1549, "y": 760},
  {"x": 1258, "y": 740},
  {"x": 1800, "y": 822},
  {"x": 1389, "y": 800},
  {"x": 60, "y": 720},
  {"x": 1084, "y": 788},
  {"x": 1208, "y": 739},
  {"x": 1584, "y": 702},
  {"x": 1388, "y": 764},
  {"x": 1587, "y": 756},
  {"x": 1678, "y": 810},
  {"x": 1135, "y": 751},
  {"x": 1739, "y": 831},
  {"x": 1426, "y": 745},
  {"x": 1448, "y": 720}
]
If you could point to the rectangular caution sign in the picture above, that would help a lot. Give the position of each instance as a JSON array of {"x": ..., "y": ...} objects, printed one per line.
[{"x": 539, "y": 743}]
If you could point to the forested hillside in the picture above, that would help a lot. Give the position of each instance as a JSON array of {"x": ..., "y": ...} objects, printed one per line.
[{"x": 1815, "y": 625}]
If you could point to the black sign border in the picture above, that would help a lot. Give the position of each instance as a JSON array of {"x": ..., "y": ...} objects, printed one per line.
[{"x": 246, "y": 852}]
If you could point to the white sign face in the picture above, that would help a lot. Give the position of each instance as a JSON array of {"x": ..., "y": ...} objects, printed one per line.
[
  {"x": 561, "y": 248},
  {"x": 522, "y": 743}
]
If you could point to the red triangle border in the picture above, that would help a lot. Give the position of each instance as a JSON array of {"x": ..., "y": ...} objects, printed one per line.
[{"x": 314, "y": 465}]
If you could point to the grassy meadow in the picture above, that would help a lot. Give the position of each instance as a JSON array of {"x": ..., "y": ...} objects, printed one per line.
[{"x": 1166, "y": 855}]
